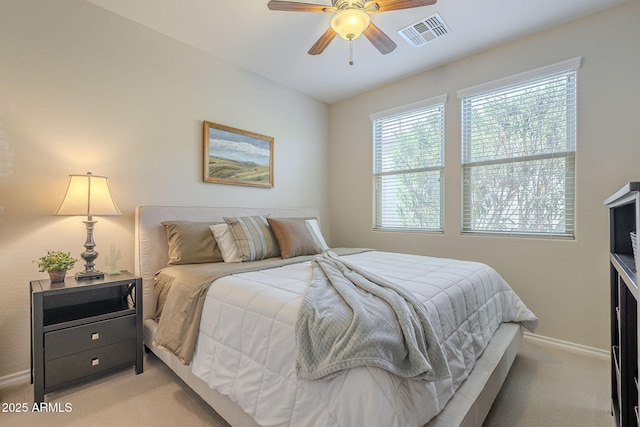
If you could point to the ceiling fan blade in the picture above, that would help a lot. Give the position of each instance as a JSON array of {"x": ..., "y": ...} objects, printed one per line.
[
  {"x": 379, "y": 39},
  {"x": 323, "y": 42},
  {"x": 387, "y": 5},
  {"x": 291, "y": 6}
]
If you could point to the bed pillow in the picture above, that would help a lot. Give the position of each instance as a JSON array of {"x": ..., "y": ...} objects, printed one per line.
[
  {"x": 226, "y": 242},
  {"x": 295, "y": 237},
  {"x": 316, "y": 233},
  {"x": 191, "y": 243},
  {"x": 254, "y": 238}
]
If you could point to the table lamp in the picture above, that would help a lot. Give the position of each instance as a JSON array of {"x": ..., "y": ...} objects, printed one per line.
[{"x": 88, "y": 195}]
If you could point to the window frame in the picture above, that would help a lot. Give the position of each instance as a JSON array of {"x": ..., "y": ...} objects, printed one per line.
[
  {"x": 438, "y": 102},
  {"x": 505, "y": 85}
]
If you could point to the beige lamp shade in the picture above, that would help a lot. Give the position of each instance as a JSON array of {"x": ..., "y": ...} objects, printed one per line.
[{"x": 88, "y": 195}]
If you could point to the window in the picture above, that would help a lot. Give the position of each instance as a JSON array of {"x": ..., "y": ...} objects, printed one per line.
[
  {"x": 518, "y": 154},
  {"x": 408, "y": 167}
]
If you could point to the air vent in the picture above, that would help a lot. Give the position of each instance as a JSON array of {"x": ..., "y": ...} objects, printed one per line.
[{"x": 424, "y": 31}]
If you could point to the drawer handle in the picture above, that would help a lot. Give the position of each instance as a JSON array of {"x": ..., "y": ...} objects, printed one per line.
[
  {"x": 95, "y": 361},
  {"x": 95, "y": 336}
]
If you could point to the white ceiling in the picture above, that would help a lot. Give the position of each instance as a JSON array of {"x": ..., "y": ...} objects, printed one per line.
[{"x": 274, "y": 44}]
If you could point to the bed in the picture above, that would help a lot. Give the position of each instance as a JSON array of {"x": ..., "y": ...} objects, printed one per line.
[{"x": 224, "y": 377}]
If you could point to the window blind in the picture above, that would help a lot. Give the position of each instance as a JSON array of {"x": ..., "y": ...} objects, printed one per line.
[
  {"x": 518, "y": 159},
  {"x": 408, "y": 168}
]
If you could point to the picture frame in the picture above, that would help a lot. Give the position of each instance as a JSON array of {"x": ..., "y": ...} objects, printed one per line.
[{"x": 238, "y": 157}]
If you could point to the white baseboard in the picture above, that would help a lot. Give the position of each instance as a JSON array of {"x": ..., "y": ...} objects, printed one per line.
[
  {"x": 568, "y": 345},
  {"x": 15, "y": 378}
]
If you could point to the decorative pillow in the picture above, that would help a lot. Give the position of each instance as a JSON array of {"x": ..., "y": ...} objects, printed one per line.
[
  {"x": 316, "y": 233},
  {"x": 191, "y": 243},
  {"x": 254, "y": 237},
  {"x": 294, "y": 236},
  {"x": 226, "y": 242}
]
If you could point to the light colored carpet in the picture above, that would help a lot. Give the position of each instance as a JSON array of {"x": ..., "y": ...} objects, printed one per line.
[
  {"x": 551, "y": 386},
  {"x": 548, "y": 387},
  {"x": 154, "y": 398}
]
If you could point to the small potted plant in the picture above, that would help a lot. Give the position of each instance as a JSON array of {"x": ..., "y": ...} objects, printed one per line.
[{"x": 56, "y": 263}]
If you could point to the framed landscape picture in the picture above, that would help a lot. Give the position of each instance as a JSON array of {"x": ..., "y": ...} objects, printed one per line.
[{"x": 234, "y": 156}]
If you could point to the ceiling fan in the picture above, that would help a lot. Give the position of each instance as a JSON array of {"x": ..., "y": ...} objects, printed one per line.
[{"x": 351, "y": 19}]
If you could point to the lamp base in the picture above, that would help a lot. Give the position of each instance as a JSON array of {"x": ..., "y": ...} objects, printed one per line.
[{"x": 89, "y": 275}]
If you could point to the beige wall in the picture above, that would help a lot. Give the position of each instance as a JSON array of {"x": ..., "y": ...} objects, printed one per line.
[
  {"x": 564, "y": 282},
  {"x": 84, "y": 90}
]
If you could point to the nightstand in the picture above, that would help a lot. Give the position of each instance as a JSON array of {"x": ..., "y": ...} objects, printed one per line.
[{"x": 81, "y": 330}]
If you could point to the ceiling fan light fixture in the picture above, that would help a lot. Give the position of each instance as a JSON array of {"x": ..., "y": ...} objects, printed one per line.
[{"x": 350, "y": 23}]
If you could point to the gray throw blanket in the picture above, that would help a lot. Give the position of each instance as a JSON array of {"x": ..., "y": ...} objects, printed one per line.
[{"x": 351, "y": 318}]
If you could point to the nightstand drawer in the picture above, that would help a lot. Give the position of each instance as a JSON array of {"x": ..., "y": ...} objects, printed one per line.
[
  {"x": 86, "y": 337},
  {"x": 67, "y": 369}
]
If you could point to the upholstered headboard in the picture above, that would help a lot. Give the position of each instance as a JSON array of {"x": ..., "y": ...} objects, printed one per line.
[{"x": 151, "y": 250}]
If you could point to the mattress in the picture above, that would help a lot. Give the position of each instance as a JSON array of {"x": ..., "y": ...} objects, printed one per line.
[{"x": 246, "y": 342}]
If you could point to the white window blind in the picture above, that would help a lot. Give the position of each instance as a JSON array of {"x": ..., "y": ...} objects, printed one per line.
[
  {"x": 518, "y": 159},
  {"x": 408, "y": 167}
]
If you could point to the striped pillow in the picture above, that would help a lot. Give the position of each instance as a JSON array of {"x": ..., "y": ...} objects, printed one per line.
[{"x": 254, "y": 237}]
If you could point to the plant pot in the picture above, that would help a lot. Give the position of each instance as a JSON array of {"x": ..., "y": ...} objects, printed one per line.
[{"x": 57, "y": 275}]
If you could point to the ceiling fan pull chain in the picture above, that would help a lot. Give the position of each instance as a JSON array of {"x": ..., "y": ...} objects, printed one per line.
[{"x": 351, "y": 51}]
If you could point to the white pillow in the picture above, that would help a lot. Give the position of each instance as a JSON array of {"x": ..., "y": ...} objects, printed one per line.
[
  {"x": 226, "y": 242},
  {"x": 314, "y": 228}
]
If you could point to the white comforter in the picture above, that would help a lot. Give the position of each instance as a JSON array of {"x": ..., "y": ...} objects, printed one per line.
[{"x": 246, "y": 343}]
